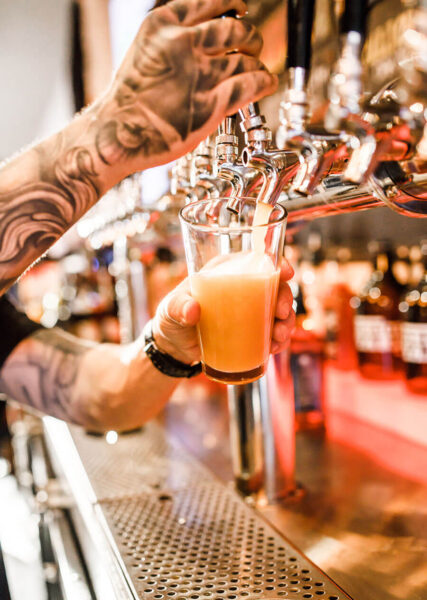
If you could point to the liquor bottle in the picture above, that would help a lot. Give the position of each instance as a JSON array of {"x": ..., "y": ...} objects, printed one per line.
[
  {"x": 377, "y": 326},
  {"x": 306, "y": 365},
  {"x": 312, "y": 280},
  {"x": 339, "y": 340},
  {"x": 414, "y": 332}
]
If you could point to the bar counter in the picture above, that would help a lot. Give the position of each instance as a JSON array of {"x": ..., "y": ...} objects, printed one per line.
[{"x": 157, "y": 516}]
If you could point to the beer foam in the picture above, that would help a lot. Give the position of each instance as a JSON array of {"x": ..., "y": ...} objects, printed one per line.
[{"x": 241, "y": 263}]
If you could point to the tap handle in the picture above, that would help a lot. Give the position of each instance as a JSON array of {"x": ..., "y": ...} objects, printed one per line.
[
  {"x": 354, "y": 17},
  {"x": 228, "y": 126},
  {"x": 300, "y": 27},
  {"x": 250, "y": 111}
]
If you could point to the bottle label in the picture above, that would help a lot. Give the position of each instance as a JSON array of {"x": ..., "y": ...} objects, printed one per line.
[
  {"x": 414, "y": 343},
  {"x": 372, "y": 333}
]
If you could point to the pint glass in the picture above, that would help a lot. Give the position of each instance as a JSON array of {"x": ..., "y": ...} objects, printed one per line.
[{"x": 234, "y": 266}]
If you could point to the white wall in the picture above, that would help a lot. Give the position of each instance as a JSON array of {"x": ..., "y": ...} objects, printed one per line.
[
  {"x": 126, "y": 17},
  {"x": 35, "y": 72}
]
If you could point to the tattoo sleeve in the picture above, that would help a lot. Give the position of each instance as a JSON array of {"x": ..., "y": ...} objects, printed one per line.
[
  {"x": 42, "y": 373},
  {"x": 183, "y": 73}
]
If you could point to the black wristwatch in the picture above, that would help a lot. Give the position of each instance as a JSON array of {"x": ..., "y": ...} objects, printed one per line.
[{"x": 163, "y": 362}]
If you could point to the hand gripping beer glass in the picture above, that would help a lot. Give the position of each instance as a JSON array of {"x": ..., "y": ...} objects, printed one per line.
[{"x": 234, "y": 263}]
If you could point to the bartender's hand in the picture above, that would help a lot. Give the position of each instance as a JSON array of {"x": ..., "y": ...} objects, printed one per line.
[
  {"x": 174, "y": 325},
  {"x": 185, "y": 71}
]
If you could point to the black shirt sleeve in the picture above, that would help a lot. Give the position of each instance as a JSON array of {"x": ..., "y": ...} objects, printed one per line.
[{"x": 14, "y": 327}]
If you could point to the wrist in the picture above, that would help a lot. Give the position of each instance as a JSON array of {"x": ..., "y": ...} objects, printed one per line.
[
  {"x": 165, "y": 362},
  {"x": 166, "y": 346}
]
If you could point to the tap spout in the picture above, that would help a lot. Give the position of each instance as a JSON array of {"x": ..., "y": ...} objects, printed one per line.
[{"x": 277, "y": 168}]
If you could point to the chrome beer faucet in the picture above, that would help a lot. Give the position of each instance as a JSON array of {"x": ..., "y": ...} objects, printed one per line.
[
  {"x": 276, "y": 167},
  {"x": 204, "y": 182},
  {"x": 389, "y": 125},
  {"x": 180, "y": 177},
  {"x": 242, "y": 181},
  {"x": 382, "y": 138}
]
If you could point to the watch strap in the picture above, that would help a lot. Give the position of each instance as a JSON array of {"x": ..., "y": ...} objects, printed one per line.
[{"x": 166, "y": 364}]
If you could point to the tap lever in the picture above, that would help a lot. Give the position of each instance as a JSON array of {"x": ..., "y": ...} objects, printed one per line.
[
  {"x": 354, "y": 17},
  {"x": 226, "y": 142},
  {"x": 345, "y": 91},
  {"x": 258, "y": 136},
  {"x": 251, "y": 117},
  {"x": 294, "y": 107},
  {"x": 300, "y": 26}
]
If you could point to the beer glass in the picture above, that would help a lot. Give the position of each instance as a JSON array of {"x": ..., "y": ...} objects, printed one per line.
[{"x": 234, "y": 264}]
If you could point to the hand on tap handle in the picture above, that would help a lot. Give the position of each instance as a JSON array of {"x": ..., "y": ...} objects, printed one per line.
[{"x": 184, "y": 73}]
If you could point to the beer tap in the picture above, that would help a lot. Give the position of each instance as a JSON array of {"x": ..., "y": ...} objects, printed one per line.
[
  {"x": 389, "y": 125},
  {"x": 204, "y": 183},
  {"x": 276, "y": 167},
  {"x": 294, "y": 107},
  {"x": 346, "y": 96},
  {"x": 261, "y": 169},
  {"x": 242, "y": 181},
  {"x": 180, "y": 179},
  {"x": 316, "y": 150}
]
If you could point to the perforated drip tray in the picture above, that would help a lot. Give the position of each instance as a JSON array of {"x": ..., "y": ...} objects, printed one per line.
[
  {"x": 139, "y": 462},
  {"x": 189, "y": 536}
]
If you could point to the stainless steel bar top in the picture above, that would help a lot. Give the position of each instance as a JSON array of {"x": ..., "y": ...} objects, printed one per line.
[
  {"x": 173, "y": 529},
  {"x": 154, "y": 523}
]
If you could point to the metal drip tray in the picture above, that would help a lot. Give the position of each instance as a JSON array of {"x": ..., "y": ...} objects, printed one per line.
[
  {"x": 178, "y": 533},
  {"x": 204, "y": 542},
  {"x": 138, "y": 462}
]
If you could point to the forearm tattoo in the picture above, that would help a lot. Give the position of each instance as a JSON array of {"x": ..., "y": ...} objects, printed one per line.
[
  {"x": 183, "y": 73},
  {"x": 33, "y": 216},
  {"x": 42, "y": 372}
]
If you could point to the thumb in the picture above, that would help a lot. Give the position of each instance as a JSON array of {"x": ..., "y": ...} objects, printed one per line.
[{"x": 181, "y": 309}]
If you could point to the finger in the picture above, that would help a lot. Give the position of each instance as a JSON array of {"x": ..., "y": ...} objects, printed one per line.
[
  {"x": 276, "y": 348},
  {"x": 216, "y": 70},
  {"x": 247, "y": 87},
  {"x": 192, "y": 12},
  {"x": 226, "y": 35},
  {"x": 286, "y": 271},
  {"x": 180, "y": 308},
  {"x": 284, "y": 301},
  {"x": 282, "y": 329}
]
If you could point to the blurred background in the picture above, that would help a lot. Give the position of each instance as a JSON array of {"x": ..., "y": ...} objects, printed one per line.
[{"x": 104, "y": 279}]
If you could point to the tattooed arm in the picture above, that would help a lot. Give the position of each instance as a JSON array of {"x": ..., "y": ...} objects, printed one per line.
[
  {"x": 106, "y": 386},
  {"x": 183, "y": 73},
  {"x": 100, "y": 387}
]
